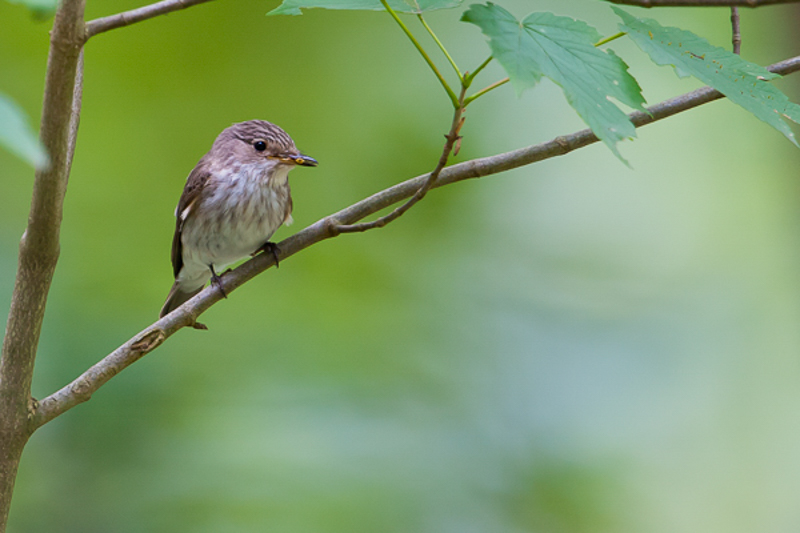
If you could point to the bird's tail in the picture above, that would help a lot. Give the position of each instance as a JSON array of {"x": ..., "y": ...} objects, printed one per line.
[{"x": 177, "y": 296}]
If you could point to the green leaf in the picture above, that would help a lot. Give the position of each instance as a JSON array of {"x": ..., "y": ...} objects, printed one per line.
[
  {"x": 40, "y": 8},
  {"x": 17, "y": 136},
  {"x": 562, "y": 49},
  {"x": 743, "y": 82},
  {"x": 293, "y": 7}
]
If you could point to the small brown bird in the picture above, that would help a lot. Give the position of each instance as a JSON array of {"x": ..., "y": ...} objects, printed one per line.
[{"x": 233, "y": 201}]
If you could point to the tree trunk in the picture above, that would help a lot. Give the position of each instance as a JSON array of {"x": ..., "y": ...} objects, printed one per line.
[{"x": 39, "y": 248}]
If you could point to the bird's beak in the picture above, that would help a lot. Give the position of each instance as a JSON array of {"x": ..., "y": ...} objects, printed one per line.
[
  {"x": 304, "y": 160},
  {"x": 296, "y": 159}
]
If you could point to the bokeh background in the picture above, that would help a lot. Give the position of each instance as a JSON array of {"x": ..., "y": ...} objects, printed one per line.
[{"x": 574, "y": 346}]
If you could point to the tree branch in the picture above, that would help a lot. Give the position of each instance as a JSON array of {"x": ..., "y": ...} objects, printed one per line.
[
  {"x": 137, "y": 15},
  {"x": 701, "y": 3},
  {"x": 736, "y": 33},
  {"x": 81, "y": 389},
  {"x": 39, "y": 247},
  {"x": 75, "y": 119}
]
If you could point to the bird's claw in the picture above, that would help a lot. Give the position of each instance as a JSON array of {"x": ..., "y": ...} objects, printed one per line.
[
  {"x": 270, "y": 247},
  {"x": 216, "y": 279}
]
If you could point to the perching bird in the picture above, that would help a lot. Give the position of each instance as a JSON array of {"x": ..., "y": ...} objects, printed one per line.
[{"x": 234, "y": 199}]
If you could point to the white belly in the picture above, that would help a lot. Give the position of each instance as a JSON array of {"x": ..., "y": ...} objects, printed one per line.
[{"x": 234, "y": 221}]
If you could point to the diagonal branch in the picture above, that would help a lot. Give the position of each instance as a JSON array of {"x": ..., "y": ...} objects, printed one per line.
[
  {"x": 81, "y": 389},
  {"x": 137, "y": 15},
  {"x": 701, "y": 3}
]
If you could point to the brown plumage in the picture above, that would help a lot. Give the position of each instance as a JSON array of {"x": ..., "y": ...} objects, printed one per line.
[{"x": 234, "y": 199}]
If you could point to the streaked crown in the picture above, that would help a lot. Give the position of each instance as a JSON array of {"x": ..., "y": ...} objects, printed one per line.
[{"x": 258, "y": 140}]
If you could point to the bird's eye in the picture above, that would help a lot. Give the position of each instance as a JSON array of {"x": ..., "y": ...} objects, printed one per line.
[{"x": 260, "y": 146}]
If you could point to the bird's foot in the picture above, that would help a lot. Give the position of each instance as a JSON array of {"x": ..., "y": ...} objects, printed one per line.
[
  {"x": 217, "y": 280},
  {"x": 270, "y": 247}
]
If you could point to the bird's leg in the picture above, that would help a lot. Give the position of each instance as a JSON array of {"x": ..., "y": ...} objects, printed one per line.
[
  {"x": 217, "y": 280},
  {"x": 270, "y": 247}
]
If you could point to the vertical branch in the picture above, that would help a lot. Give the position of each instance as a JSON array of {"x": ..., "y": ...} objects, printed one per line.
[
  {"x": 737, "y": 34},
  {"x": 75, "y": 118},
  {"x": 39, "y": 247}
]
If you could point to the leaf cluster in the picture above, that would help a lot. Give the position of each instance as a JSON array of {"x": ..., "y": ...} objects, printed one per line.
[{"x": 594, "y": 80}]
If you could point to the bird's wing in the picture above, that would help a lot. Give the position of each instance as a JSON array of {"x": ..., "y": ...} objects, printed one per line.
[{"x": 194, "y": 184}]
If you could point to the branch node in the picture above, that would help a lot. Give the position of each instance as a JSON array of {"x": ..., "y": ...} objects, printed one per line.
[
  {"x": 149, "y": 341},
  {"x": 82, "y": 389},
  {"x": 457, "y": 145},
  {"x": 563, "y": 144},
  {"x": 332, "y": 227},
  {"x": 33, "y": 406}
]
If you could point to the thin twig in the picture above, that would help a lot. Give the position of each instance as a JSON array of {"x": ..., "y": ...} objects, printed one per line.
[
  {"x": 86, "y": 384},
  {"x": 736, "y": 32},
  {"x": 137, "y": 15},
  {"x": 451, "y": 142},
  {"x": 701, "y": 3}
]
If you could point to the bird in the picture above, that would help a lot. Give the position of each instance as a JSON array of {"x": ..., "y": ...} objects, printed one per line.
[{"x": 234, "y": 199}]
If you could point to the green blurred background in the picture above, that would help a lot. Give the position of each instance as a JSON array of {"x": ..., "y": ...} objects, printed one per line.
[{"x": 574, "y": 346}]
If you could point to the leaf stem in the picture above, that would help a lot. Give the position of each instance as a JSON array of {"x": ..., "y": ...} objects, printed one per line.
[
  {"x": 601, "y": 42},
  {"x": 441, "y": 47},
  {"x": 425, "y": 56},
  {"x": 471, "y": 75},
  {"x": 485, "y": 90}
]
